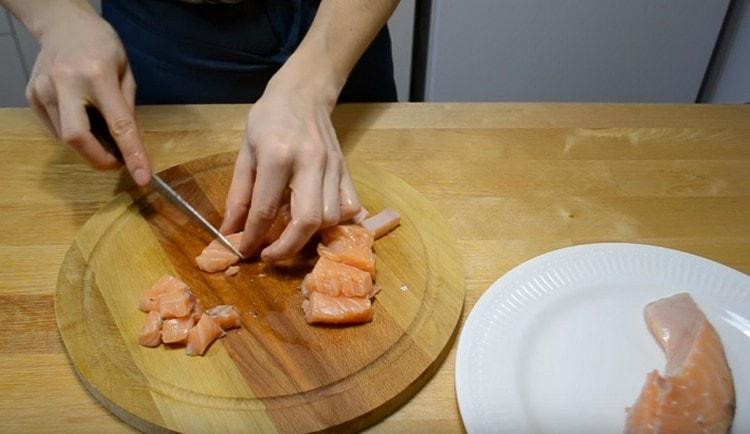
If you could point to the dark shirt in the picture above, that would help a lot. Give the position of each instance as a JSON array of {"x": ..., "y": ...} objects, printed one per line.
[{"x": 184, "y": 53}]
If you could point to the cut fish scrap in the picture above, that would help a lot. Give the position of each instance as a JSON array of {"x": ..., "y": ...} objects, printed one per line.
[
  {"x": 226, "y": 315},
  {"x": 696, "y": 393},
  {"x": 383, "y": 222},
  {"x": 150, "y": 335},
  {"x": 337, "y": 279},
  {"x": 176, "y": 329},
  {"x": 202, "y": 336},
  {"x": 215, "y": 257},
  {"x": 231, "y": 271},
  {"x": 322, "y": 308},
  {"x": 150, "y": 299}
]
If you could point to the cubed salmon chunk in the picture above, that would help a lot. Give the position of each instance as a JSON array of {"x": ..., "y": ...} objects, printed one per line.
[
  {"x": 175, "y": 329},
  {"x": 323, "y": 308},
  {"x": 202, "y": 335},
  {"x": 150, "y": 335}
]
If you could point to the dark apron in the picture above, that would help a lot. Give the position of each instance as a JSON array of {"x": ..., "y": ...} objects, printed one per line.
[{"x": 183, "y": 53}]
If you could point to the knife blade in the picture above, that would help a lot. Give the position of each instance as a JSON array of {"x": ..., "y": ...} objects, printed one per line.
[{"x": 100, "y": 130}]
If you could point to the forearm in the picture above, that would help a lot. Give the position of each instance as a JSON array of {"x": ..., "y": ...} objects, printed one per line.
[
  {"x": 40, "y": 15},
  {"x": 341, "y": 31}
]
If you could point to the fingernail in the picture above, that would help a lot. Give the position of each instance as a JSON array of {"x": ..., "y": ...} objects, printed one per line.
[{"x": 140, "y": 176}]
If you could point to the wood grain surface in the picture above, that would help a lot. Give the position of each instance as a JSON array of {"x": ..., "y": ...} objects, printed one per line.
[
  {"x": 512, "y": 180},
  {"x": 276, "y": 373}
]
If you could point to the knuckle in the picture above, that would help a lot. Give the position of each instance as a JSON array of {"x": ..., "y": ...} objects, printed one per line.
[
  {"x": 311, "y": 220},
  {"x": 62, "y": 71},
  {"x": 94, "y": 70},
  {"x": 281, "y": 156},
  {"x": 236, "y": 204},
  {"x": 265, "y": 212},
  {"x": 317, "y": 157},
  {"x": 122, "y": 126},
  {"x": 30, "y": 94}
]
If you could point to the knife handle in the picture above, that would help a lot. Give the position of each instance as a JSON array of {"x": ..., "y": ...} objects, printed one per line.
[{"x": 100, "y": 130}]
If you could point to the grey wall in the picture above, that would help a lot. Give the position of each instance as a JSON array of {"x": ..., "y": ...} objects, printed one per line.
[
  {"x": 401, "y": 26},
  {"x": 575, "y": 50},
  {"x": 18, "y": 50},
  {"x": 12, "y": 70},
  {"x": 729, "y": 81}
]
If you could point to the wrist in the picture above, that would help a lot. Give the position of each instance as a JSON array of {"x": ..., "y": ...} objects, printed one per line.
[
  {"x": 311, "y": 75},
  {"x": 58, "y": 18}
]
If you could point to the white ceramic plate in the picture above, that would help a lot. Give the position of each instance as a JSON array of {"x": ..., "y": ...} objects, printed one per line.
[{"x": 559, "y": 344}]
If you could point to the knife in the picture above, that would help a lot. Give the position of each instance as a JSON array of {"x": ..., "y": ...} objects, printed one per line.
[{"x": 100, "y": 130}]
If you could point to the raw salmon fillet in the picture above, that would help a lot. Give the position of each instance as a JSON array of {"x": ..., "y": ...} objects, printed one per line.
[
  {"x": 176, "y": 304},
  {"x": 215, "y": 257},
  {"x": 202, "y": 335},
  {"x": 226, "y": 316},
  {"x": 382, "y": 222},
  {"x": 150, "y": 299},
  {"x": 349, "y": 244},
  {"x": 176, "y": 329},
  {"x": 696, "y": 393},
  {"x": 338, "y": 280},
  {"x": 150, "y": 335},
  {"x": 323, "y": 308}
]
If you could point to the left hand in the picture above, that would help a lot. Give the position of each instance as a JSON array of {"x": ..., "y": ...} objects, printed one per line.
[{"x": 290, "y": 142}]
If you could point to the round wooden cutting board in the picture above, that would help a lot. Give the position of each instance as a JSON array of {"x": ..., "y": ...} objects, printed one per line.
[{"x": 276, "y": 373}]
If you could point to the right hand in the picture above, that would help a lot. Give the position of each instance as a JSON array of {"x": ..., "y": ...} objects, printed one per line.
[{"x": 82, "y": 62}]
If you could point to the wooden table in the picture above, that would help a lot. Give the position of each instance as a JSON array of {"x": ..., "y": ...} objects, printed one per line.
[{"x": 513, "y": 180}]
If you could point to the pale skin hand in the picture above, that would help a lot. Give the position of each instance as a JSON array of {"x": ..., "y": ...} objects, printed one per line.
[
  {"x": 82, "y": 62},
  {"x": 290, "y": 140}
]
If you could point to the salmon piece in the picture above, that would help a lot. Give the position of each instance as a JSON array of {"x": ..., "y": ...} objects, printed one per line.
[
  {"x": 696, "y": 393},
  {"x": 150, "y": 335},
  {"x": 226, "y": 316},
  {"x": 231, "y": 271},
  {"x": 150, "y": 299},
  {"x": 176, "y": 329},
  {"x": 215, "y": 257},
  {"x": 202, "y": 335},
  {"x": 338, "y": 280},
  {"x": 176, "y": 304},
  {"x": 349, "y": 244},
  {"x": 353, "y": 235},
  {"x": 382, "y": 222},
  {"x": 323, "y": 308}
]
